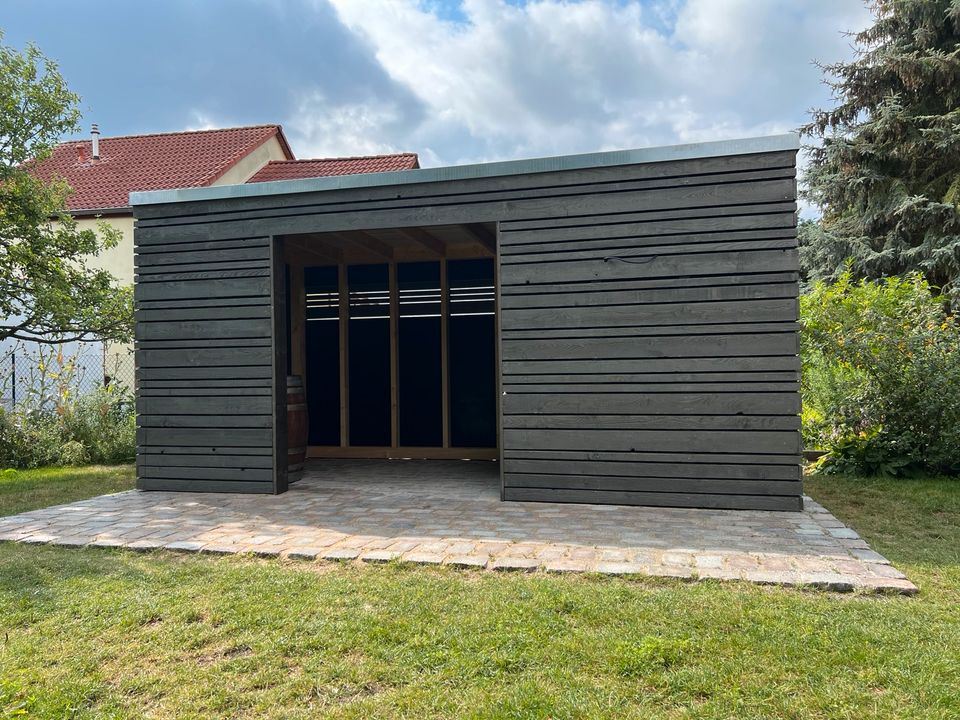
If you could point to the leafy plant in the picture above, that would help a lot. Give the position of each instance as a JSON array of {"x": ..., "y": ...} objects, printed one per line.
[{"x": 881, "y": 368}]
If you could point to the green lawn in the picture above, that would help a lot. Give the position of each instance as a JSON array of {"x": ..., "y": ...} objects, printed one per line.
[
  {"x": 25, "y": 490},
  {"x": 111, "y": 634}
]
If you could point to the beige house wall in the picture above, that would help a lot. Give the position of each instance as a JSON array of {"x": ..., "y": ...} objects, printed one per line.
[{"x": 245, "y": 169}]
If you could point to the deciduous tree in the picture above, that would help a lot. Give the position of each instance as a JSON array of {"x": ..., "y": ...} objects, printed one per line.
[{"x": 48, "y": 291}]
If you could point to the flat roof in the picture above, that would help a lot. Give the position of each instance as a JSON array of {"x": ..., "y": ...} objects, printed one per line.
[{"x": 666, "y": 153}]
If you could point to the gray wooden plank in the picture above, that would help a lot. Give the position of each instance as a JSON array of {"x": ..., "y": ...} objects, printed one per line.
[
  {"x": 741, "y": 210},
  {"x": 208, "y": 358},
  {"x": 197, "y": 343},
  {"x": 225, "y": 486},
  {"x": 653, "y": 484},
  {"x": 214, "y": 328},
  {"x": 582, "y": 386},
  {"x": 207, "y": 314},
  {"x": 640, "y": 226},
  {"x": 203, "y": 276},
  {"x": 197, "y": 270},
  {"x": 690, "y": 403},
  {"x": 203, "y": 460},
  {"x": 216, "y": 375},
  {"x": 595, "y": 421},
  {"x": 760, "y": 441},
  {"x": 653, "y": 333},
  {"x": 701, "y": 500},
  {"x": 639, "y": 248},
  {"x": 211, "y": 288},
  {"x": 692, "y": 459},
  {"x": 174, "y": 303},
  {"x": 205, "y": 437},
  {"x": 565, "y": 366},
  {"x": 712, "y": 346},
  {"x": 209, "y": 422},
  {"x": 219, "y": 252},
  {"x": 605, "y": 268},
  {"x": 636, "y": 468},
  {"x": 235, "y": 474},
  {"x": 197, "y": 394},
  {"x": 254, "y": 385},
  {"x": 587, "y": 377},
  {"x": 211, "y": 405},
  {"x": 669, "y": 283},
  {"x": 209, "y": 453},
  {"x": 647, "y": 314},
  {"x": 192, "y": 238},
  {"x": 588, "y": 296}
]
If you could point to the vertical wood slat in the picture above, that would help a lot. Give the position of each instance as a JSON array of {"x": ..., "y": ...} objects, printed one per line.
[
  {"x": 444, "y": 350},
  {"x": 344, "y": 312},
  {"x": 279, "y": 384},
  {"x": 394, "y": 365}
]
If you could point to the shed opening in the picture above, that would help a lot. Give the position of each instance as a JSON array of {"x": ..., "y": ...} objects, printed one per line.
[{"x": 394, "y": 333}]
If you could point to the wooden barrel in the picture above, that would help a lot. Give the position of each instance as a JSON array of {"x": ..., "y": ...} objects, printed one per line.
[{"x": 296, "y": 424}]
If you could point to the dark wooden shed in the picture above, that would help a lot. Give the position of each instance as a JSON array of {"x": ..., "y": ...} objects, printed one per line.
[{"x": 618, "y": 327}]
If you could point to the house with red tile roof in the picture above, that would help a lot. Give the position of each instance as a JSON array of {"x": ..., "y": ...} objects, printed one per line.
[
  {"x": 326, "y": 167},
  {"x": 104, "y": 171}
]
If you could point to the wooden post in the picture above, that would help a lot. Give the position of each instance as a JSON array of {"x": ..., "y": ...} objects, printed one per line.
[
  {"x": 278, "y": 326},
  {"x": 444, "y": 351},
  {"x": 298, "y": 321},
  {"x": 344, "y": 297},
  {"x": 394, "y": 364}
]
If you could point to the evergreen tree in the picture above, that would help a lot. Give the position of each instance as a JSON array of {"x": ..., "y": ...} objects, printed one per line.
[{"x": 886, "y": 173}]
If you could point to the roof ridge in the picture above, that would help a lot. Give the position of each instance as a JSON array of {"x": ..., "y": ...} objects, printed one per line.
[
  {"x": 276, "y": 126},
  {"x": 345, "y": 157}
]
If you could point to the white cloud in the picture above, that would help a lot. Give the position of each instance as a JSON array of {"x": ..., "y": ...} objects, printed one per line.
[
  {"x": 556, "y": 76},
  {"x": 326, "y": 129}
]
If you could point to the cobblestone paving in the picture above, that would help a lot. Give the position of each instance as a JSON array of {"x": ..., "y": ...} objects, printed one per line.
[{"x": 450, "y": 513}]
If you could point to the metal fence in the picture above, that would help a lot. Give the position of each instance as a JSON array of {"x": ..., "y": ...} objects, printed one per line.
[{"x": 42, "y": 376}]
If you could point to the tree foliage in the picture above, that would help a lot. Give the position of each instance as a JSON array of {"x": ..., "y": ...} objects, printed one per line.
[
  {"x": 886, "y": 169},
  {"x": 47, "y": 293}
]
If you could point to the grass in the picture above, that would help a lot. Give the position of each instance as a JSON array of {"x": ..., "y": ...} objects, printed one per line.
[
  {"x": 112, "y": 634},
  {"x": 24, "y": 490}
]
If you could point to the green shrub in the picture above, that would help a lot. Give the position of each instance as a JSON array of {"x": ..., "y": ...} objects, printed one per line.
[
  {"x": 98, "y": 427},
  {"x": 881, "y": 377}
]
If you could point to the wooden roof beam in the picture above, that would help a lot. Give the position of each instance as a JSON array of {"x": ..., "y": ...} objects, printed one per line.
[
  {"x": 483, "y": 235},
  {"x": 369, "y": 242},
  {"x": 301, "y": 246},
  {"x": 426, "y": 239}
]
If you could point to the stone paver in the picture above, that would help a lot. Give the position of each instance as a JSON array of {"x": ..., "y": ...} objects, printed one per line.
[{"x": 436, "y": 513}]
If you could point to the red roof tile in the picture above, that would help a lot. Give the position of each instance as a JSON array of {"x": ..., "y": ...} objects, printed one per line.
[
  {"x": 325, "y": 167},
  {"x": 150, "y": 162}
]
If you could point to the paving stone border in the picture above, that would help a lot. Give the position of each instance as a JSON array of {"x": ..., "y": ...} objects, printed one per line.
[{"x": 447, "y": 514}]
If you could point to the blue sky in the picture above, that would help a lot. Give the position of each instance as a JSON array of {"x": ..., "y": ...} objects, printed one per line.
[{"x": 457, "y": 82}]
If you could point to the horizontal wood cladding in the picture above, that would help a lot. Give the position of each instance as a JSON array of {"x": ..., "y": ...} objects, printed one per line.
[
  {"x": 205, "y": 358},
  {"x": 648, "y": 329},
  {"x": 649, "y": 354},
  {"x": 791, "y": 502},
  {"x": 692, "y": 185}
]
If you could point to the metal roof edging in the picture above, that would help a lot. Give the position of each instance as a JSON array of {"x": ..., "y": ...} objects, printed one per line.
[{"x": 666, "y": 153}]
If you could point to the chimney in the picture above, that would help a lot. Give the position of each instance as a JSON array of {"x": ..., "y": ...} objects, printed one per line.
[
  {"x": 81, "y": 153},
  {"x": 95, "y": 137}
]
